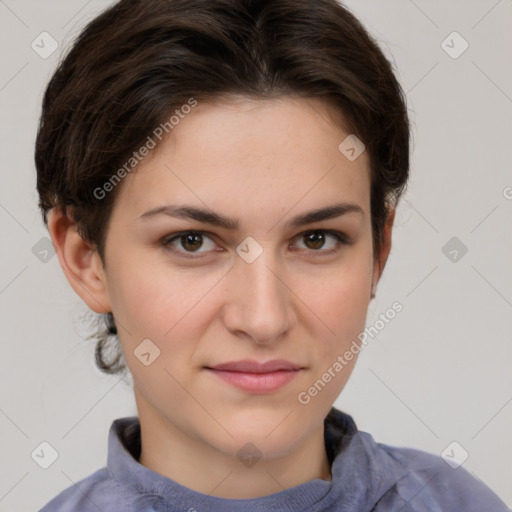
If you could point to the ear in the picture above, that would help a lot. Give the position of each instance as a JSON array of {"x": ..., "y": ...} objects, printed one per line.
[
  {"x": 382, "y": 257},
  {"x": 80, "y": 261}
]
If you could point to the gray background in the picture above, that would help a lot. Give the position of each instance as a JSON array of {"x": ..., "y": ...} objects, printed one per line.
[{"x": 438, "y": 373}]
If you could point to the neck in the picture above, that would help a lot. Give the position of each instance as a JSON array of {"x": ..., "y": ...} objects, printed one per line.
[{"x": 201, "y": 467}]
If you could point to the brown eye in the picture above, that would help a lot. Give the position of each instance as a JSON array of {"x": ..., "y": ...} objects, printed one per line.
[
  {"x": 190, "y": 242},
  {"x": 317, "y": 240}
]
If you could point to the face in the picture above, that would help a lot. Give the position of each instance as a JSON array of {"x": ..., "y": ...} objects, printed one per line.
[{"x": 264, "y": 288}]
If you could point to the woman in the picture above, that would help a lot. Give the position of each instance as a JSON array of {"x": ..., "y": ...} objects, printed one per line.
[{"x": 219, "y": 180}]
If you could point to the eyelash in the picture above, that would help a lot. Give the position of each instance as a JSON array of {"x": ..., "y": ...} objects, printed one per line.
[{"x": 340, "y": 237}]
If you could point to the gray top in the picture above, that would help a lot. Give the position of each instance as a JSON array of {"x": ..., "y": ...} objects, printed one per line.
[{"x": 366, "y": 476}]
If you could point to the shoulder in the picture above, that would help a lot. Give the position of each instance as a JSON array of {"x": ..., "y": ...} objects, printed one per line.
[
  {"x": 429, "y": 483},
  {"x": 93, "y": 493}
]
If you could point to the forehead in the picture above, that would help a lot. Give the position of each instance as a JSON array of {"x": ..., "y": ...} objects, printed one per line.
[{"x": 250, "y": 155}]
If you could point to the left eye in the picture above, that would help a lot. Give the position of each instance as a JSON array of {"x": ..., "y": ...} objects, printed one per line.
[
  {"x": 317, "y": 239},
  {"x": 192, "y": 241}
]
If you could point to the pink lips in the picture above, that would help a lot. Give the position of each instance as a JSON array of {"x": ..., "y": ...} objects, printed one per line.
[{"x": 257, "y": 377}]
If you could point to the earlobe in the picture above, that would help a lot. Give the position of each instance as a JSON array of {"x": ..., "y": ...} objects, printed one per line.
[
  {"x": 380, "y": 262},
  {"x": 80, "y": 261}
]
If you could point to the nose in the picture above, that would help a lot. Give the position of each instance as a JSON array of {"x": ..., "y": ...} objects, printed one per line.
[{"x": 259, "y": 304}]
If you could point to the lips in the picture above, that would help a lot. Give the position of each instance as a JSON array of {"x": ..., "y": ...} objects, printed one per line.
[
  {"x": 254, "y": 376},
  {"x": 252, "y": 366}
]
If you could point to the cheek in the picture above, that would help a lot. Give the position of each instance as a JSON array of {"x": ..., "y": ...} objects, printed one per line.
[
  {"x": 342, "y": 307},
  {"x": 149, "y": 299},
  {"x": 341, "y": 297},
  {"x": 164, "y": 304}
]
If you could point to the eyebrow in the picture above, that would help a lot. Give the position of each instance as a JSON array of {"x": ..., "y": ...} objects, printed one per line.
[{"x": 216, "y": 219}]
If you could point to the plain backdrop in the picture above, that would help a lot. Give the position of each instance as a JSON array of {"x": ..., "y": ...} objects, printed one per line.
[{"x": 438, "y": 373}]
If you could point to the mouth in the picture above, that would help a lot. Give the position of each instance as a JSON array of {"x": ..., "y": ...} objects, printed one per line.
[{"x": 256, "y": 377}]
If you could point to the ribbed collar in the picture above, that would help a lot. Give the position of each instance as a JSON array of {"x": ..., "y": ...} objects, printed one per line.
[{"x": 361, "y": 473}]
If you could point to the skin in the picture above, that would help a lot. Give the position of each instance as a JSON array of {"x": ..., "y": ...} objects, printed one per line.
[{"x": 261, "y": 162}]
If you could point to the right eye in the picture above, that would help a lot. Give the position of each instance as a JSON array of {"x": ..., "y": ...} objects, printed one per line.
[{"x": 190, "y": 241}]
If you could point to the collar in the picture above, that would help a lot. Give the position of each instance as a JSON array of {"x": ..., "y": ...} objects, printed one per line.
[{"x": 361, "y": 473}]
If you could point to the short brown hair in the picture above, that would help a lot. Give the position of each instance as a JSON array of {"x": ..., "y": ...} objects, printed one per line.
[{"x": 139, "y": 60}]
